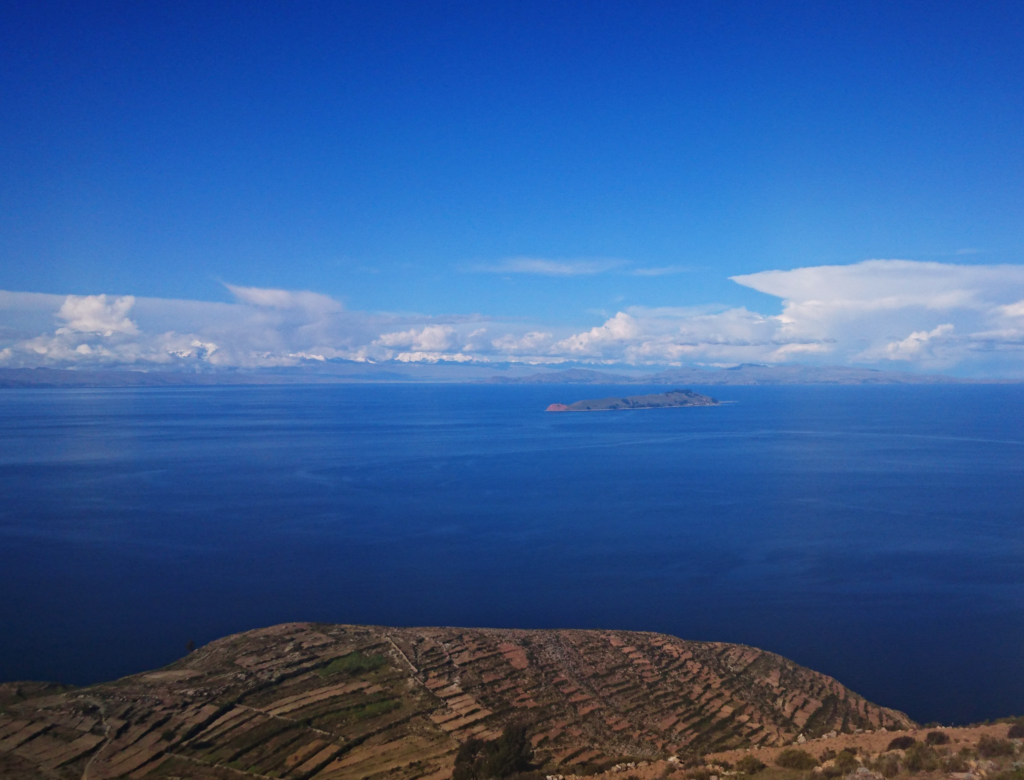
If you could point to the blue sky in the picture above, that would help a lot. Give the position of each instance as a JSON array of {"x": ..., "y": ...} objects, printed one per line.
[{"x": 514, "y": 168}]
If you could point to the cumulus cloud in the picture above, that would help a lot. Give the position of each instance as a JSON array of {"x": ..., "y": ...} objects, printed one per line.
[
  {"x": 432, "y": 338},
  {"x": 98, "y": 314},
  {"x": 611, "y": 336},
  {"x": 918, "y": 344},
  {"x": 533, "y": 342},
  {"x": 196, "y": 348},
  {"x": 897, "y": 309},
  {"x": 933, "y": 316},
  {"x": 436, "y": 357},
  {"x": 262, "y": 328}
]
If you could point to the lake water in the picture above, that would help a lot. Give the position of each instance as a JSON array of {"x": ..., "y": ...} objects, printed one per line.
[{"x": 873, "y": 533}]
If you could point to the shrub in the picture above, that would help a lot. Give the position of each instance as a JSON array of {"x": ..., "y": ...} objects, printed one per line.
[
  {"x": 1016, "y": 731},
  {"x": 792, "y": 758},
  {"x": 955, "y": 764},
  {"x": 887, "y": 765},
  {"x": 846, "y": 762},
  {"x": 510, "y": 754},
  {"x": 700, "y": 773},
  {"x": 990, "y": 747},
  {"x": 937, "y": 738},
  {"x": 901, "y": 743},
  {"x": 921, "y": 757},
  {"x": 827, "y": 755},
  {"x": 749, "y": 765}
]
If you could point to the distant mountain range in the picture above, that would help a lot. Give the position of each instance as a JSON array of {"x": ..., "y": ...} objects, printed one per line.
[
  {"x": 746, "y": 374},
  {"x": 351, "y": 372}
]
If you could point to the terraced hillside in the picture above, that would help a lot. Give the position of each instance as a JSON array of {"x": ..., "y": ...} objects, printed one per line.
[{"x": 332, "y": 702}]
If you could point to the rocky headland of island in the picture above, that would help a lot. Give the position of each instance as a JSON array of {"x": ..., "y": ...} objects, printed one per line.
[{"x": 670, "y": 400}]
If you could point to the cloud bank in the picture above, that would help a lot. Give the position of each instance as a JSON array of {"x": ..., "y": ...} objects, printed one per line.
[{"x": 927, "y": 316}]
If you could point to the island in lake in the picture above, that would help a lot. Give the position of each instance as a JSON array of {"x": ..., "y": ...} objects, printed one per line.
[{"x": 672, "y": 398}]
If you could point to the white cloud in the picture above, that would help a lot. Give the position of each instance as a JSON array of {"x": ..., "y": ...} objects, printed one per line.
[
  {"x": 661, "y": 271},
  {"x": 581, "y": 267},
  {"x": 432, "y": 338},
  {"x": 530, "y": 343},
  {"x": 1013, "y": 309},
  {"x": 900, "y": 310},
  {"x": 98, "y": 314},
  {"x": 615, "y": 332},
  {"x": 286, "y": 299},
  {"x": 433, "y": 357},
  {"x": 929, "y": 315},
  {"x": 918, "y": 344},
  {"x": 534, "y": 265},
  {"x": 196, "y": 348},
  {"x": 877, "y": 285}
]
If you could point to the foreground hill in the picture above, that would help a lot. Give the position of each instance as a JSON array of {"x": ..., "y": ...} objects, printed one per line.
[{"x": 333, "y": 701}]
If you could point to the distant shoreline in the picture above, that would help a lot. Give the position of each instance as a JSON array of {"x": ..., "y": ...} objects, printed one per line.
[{"x": 391, "y": 374}]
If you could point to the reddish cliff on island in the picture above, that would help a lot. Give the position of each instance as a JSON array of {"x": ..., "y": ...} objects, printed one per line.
[{"x": 557, "y": 408}]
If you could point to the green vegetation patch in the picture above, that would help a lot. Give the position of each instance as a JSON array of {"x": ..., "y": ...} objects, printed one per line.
[
  {"x": 990, "y": 747},
  {"x": 818, "y": 723},
  {"x": 887, "y": 765},
  {"x": 376, "y": 708},
  {"x": 846, "y": 762},
  {"x": 922, "y": 758},
  {"x": 792, "y": 758},
  {"x": 778, "y": 773},
  {"x": 508, "y": 755},
  {"x": 955, "y": 763},
  {"x": 749, "y": 765},
  {"x": 360, "y": 712},
  {"x": 353, "y": 663},
  {"x": 937, "y": 738},
  {"x": 902, "y": 743}
]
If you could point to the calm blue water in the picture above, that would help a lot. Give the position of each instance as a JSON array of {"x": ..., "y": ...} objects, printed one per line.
[{"x": 874, "y": 533}]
